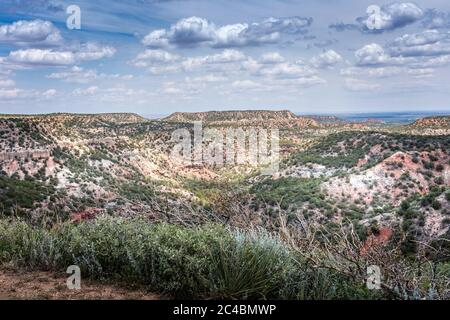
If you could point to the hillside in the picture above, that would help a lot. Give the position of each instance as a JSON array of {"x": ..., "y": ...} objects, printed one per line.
[
  {"x": 117, "y": 118},
  {"x": 261, "y": 118},
  {"x": 433, "y": 122},
  {"x": 385, "y": 183}
]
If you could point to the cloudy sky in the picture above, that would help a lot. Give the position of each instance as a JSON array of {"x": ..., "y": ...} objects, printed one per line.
[{"x": 159, "y": 56}]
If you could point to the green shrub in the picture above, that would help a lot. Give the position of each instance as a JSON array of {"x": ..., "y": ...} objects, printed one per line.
[
  {"x": 169, "y": 258},
  {"x": 250, "y": 267},
  {"x": 22, "y": 193},
  {"x": 436, "y": 205}
]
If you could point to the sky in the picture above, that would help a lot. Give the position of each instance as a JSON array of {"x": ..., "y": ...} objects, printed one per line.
[{"x": 155, "y": 57}]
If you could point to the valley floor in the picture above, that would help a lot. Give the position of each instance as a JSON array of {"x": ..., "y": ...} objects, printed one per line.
[{"x": 32, "y": 285}]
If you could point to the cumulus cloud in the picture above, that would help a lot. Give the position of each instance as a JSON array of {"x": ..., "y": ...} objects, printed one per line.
[
  {"x": 392, "y": 16},
  {"x": 149, "y": 57},
  {"x": 41, "y": 57},
  {"x": 286, "y": 70},
  {"x": 270, "y": 66},
  {"x": 326, "y": 59},
  {"x": 80, "y": 75},
  {"x": 93, "y": 51},
  {"x": 50, "y": 57},
  {"x": 11, "y": 95},
  {"x": 380, "y": 72},
  {"x": 35, "y": 32},
  {"x": 160, "y": 61},
  {"x": 375, "y": 55},
  {"x": 86, "y": 91},
  {"x": 279, "y": 70},
  {"x": 427, "y": 43},
  {"x": 196, "y": 31},
  {"x": 411, "y": 55},
  {"x": 385, "y": 72},
  {"x": 226, "y": 56}
]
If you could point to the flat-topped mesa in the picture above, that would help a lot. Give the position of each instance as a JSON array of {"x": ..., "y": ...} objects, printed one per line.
[
  {"x": 117, "y": 118},
  {"x": 433, "y": 122},
  {"x": 247, "y": 117}
]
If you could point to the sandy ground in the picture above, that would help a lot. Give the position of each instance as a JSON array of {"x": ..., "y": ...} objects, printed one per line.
[{"x": 26, "y": 285}]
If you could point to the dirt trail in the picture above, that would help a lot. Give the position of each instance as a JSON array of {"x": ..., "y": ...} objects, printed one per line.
[{"x": 17, "y": 284}]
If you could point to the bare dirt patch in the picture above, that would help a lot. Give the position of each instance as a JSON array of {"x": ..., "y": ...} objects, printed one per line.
[{"x": 37, "y": 285}]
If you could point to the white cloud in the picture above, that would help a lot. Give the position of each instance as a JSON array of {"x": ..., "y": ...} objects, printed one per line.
[
  {"x": 44, "y": 57},
  {"x": 327, "y": 59},
  {"x": 271, "y": 58},
  {"x": 379, "y": 72},
  {"x": 227, "y": 56},
  {"x": 35, "y": 32},
  {"x": 7, "y": 83},
  {"x": 196, "y": 31},
  {"x": 385, "y": 72},
  {"x": 391, "y": 16},
  {"x": 93, "y": 51},
  {"x": 79, "y": 75},
  {"x": 87, "y": 91},
  {"x": 159, "y": 61},
  {"x": 374, "y": 54},
  {"x": 49, "y": 93},
  {"x": 50, "y": 57},
  {"x": 427, "y": 43},
  {"x": 435, "y": 62},
  {"x": 17, "y": 94},
  {"x": 285, "y": 70},
  {"x": 150, "y": 57},
  {"x": 397, "y": 14},
  {"x": 206, "y": 78}
]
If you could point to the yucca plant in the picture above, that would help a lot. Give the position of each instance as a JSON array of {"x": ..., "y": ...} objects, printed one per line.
[{"x": 250, "y": 266}]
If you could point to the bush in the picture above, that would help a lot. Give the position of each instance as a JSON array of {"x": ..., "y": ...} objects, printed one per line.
[
  {"x": 23, "y": 193},
  {"x": 189, "y": 262},
  {"x": 436, "y": 205},
  {"x": 250, "y": 267},
  {"x": 169, "y": 258}
]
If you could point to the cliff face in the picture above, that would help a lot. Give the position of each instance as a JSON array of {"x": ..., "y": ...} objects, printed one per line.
[{"x": 264, "y": 118}]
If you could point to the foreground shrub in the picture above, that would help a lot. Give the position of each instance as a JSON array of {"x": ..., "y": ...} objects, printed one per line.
[
  {"x": 251, "y": 266},
  {"x": 171, "y": 259},
  {"x": 212, "y": 261}
]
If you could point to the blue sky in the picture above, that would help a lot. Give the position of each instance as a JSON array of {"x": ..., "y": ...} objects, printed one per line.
[{"x": 161, "y": 56}]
